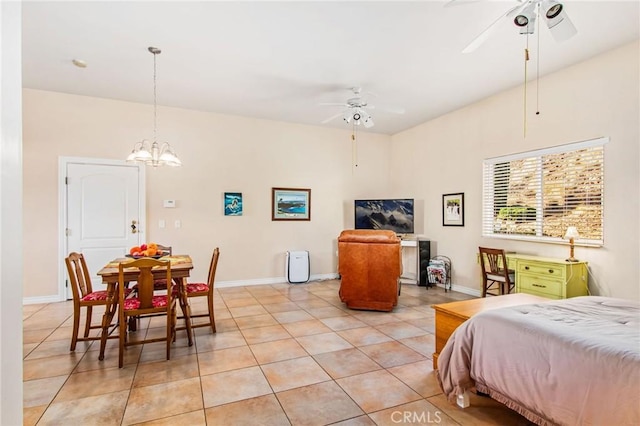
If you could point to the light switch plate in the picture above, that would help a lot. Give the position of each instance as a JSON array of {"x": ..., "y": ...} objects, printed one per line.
[{"x": 169, "y": 203}]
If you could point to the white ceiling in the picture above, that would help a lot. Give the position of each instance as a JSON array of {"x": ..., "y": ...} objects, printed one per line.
[{"x": 278, "y": 60}]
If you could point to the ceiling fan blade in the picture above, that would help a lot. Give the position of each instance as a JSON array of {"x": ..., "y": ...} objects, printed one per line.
[
  {"x": 563, "y": 29},
  {"x": 333, "y": 117},
  {"x": 342, "y": 104},
  {"x": 486, "y": 33},
  {"x": 388, "y": 108},
  {"x": 393, "y": 109},
  {"x": 451, "y": 3}
]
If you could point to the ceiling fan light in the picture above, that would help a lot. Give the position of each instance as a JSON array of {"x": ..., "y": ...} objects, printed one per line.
[
  {"x": 552, "y": 8},
  {"x": 561, "y": 27},
  {"x": 530, "y": 27},
  {"x": 521, "y": 21},
  {"x": 557, "y": 20},
  {"x": 526, "y": 17}
]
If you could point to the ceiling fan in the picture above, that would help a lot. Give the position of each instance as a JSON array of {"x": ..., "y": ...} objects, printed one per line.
[
  {"x": 356, "y": 109},
  {"x": 524, "y": 16}
]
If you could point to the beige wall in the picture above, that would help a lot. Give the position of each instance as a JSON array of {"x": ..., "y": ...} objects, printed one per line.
[
  {"x": 599, "y": 97},
  {"x": 220, "y": 153}
]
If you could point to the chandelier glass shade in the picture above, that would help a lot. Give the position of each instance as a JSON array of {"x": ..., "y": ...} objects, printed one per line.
[{"x": 153, "y": 153}]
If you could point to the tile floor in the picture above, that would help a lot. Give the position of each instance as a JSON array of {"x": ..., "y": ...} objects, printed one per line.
[{"x": 283, "y": 355}]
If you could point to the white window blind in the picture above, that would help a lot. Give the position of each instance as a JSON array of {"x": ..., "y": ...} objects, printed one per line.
[{"x": 537, "y": 195}]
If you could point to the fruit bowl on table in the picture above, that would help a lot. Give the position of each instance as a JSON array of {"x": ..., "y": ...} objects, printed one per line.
[{"x": 155, "y": 256}]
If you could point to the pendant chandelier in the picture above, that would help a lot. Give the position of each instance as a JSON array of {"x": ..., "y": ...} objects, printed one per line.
[{"x": 154, "y": 154}]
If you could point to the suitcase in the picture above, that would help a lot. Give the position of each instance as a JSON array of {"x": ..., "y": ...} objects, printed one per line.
[{"x": 297, "y": 268}]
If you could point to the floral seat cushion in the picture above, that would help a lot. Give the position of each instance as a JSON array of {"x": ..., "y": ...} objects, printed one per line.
[
  {"x": 160, "y": 284},
  {"x": 134, "y": 302},
  {"x": 194, "y": 288},
  {"x": 197, "y": 287},
  {"x": 157, "y": 285},
  {"x": 98, "y": 295}
]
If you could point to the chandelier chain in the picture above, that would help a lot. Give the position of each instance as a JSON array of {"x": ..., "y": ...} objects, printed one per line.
[{"x": 155, "y": 103}]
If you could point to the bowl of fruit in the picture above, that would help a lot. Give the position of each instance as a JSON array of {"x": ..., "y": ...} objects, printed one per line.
[{"x": 145, "y": 250}]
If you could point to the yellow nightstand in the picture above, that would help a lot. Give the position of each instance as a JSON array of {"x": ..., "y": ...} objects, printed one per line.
[
  {"x": 548, "y": 277},
  {"x": 552, "y": 278}
]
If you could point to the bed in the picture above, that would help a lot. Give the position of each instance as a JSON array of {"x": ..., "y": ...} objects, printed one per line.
[{"x": 563, "y": 362}]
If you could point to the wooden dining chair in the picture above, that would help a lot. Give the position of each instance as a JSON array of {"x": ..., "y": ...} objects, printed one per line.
[
  {"x": 495, "y": 272},
  {"x": 161, "y": 284},
  {"x": 145, "y": 303},
  {"x": 205, "y": 290},
  {"x": 83, "y": 297}
]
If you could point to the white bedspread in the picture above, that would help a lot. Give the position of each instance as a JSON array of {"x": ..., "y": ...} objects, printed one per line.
[{"x": 565, "y": 362}]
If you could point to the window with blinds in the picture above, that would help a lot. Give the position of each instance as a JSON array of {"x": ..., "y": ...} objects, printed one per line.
[{"x": 537, "y": 195}]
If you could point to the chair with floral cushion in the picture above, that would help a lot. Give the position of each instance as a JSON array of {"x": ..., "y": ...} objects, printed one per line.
[
  {"x": 164, "y": 250},
  {"x": 145, "y": 303},
  {"x": 83, "y": 296},
  {"x": 205, "y": 290},
  {"x": 161, "y": 284}
]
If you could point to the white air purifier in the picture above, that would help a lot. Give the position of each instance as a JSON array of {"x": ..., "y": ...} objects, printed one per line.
[{"x": 297, "y": 268}]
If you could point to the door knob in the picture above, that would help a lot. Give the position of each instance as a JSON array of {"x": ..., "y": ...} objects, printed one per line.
[{"x": 134, "y": 229}]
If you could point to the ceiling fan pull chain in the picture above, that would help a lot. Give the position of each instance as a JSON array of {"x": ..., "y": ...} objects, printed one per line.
[
  {"x": 538, "y": 68},
  {"x": 526, "y": 60},
  {"x": 354, "y": 146}
]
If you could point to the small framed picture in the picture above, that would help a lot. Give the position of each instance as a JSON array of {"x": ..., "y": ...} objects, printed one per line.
[
  {"x": 453, "y": 209},
  {"x": 290, "y": 204},
  {"x": 233, "y": 203}
]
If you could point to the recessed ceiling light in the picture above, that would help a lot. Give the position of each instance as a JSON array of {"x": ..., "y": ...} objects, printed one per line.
[{"x": 79, "y": 63}]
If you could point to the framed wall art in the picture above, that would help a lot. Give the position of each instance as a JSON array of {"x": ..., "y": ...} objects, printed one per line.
[
  {"x": 453, "y": 209},
  {"x": 233, "y": 203},
  {"x": 290, "y": 204}
]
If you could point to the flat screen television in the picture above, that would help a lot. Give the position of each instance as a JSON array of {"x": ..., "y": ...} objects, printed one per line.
[{"x": 392, "y": 214}]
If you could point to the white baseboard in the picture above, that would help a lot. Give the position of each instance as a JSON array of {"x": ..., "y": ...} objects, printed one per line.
[
  {"x": 463, "y": 289},
  {"x": 323, "y": 277},
  {"x": 260, "y": 281},
  {"x": 41, "y": 299},
  {"x": 277, "y": 280}
]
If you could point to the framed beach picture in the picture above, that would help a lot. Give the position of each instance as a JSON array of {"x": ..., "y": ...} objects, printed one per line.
[
  {"x": 233, "y": 203},
  {"x": 453, "y": 209},
  {"x": 290, "y": 204}
]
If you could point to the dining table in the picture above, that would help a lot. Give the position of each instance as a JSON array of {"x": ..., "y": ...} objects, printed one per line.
[{"x": 181, "y": 266}]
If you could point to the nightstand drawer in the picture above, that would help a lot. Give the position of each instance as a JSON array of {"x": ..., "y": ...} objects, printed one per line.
[
  {"x": 545, "y": 295},
  {"x": 546, "y": 271},
  {"x": 540, "y": 284}
]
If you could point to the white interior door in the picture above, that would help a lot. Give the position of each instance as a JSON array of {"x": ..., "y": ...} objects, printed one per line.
[{"x": 104, "y": 211}]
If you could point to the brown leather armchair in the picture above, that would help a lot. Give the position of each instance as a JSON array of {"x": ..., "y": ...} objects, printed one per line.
[{"x": 370, "y": 265}]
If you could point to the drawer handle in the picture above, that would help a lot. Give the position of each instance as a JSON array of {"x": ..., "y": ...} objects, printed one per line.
[
  {"x": 551, "y": 271},
  {"x": 538, "y": 285},
  {"x": 526, "y": 267}
]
